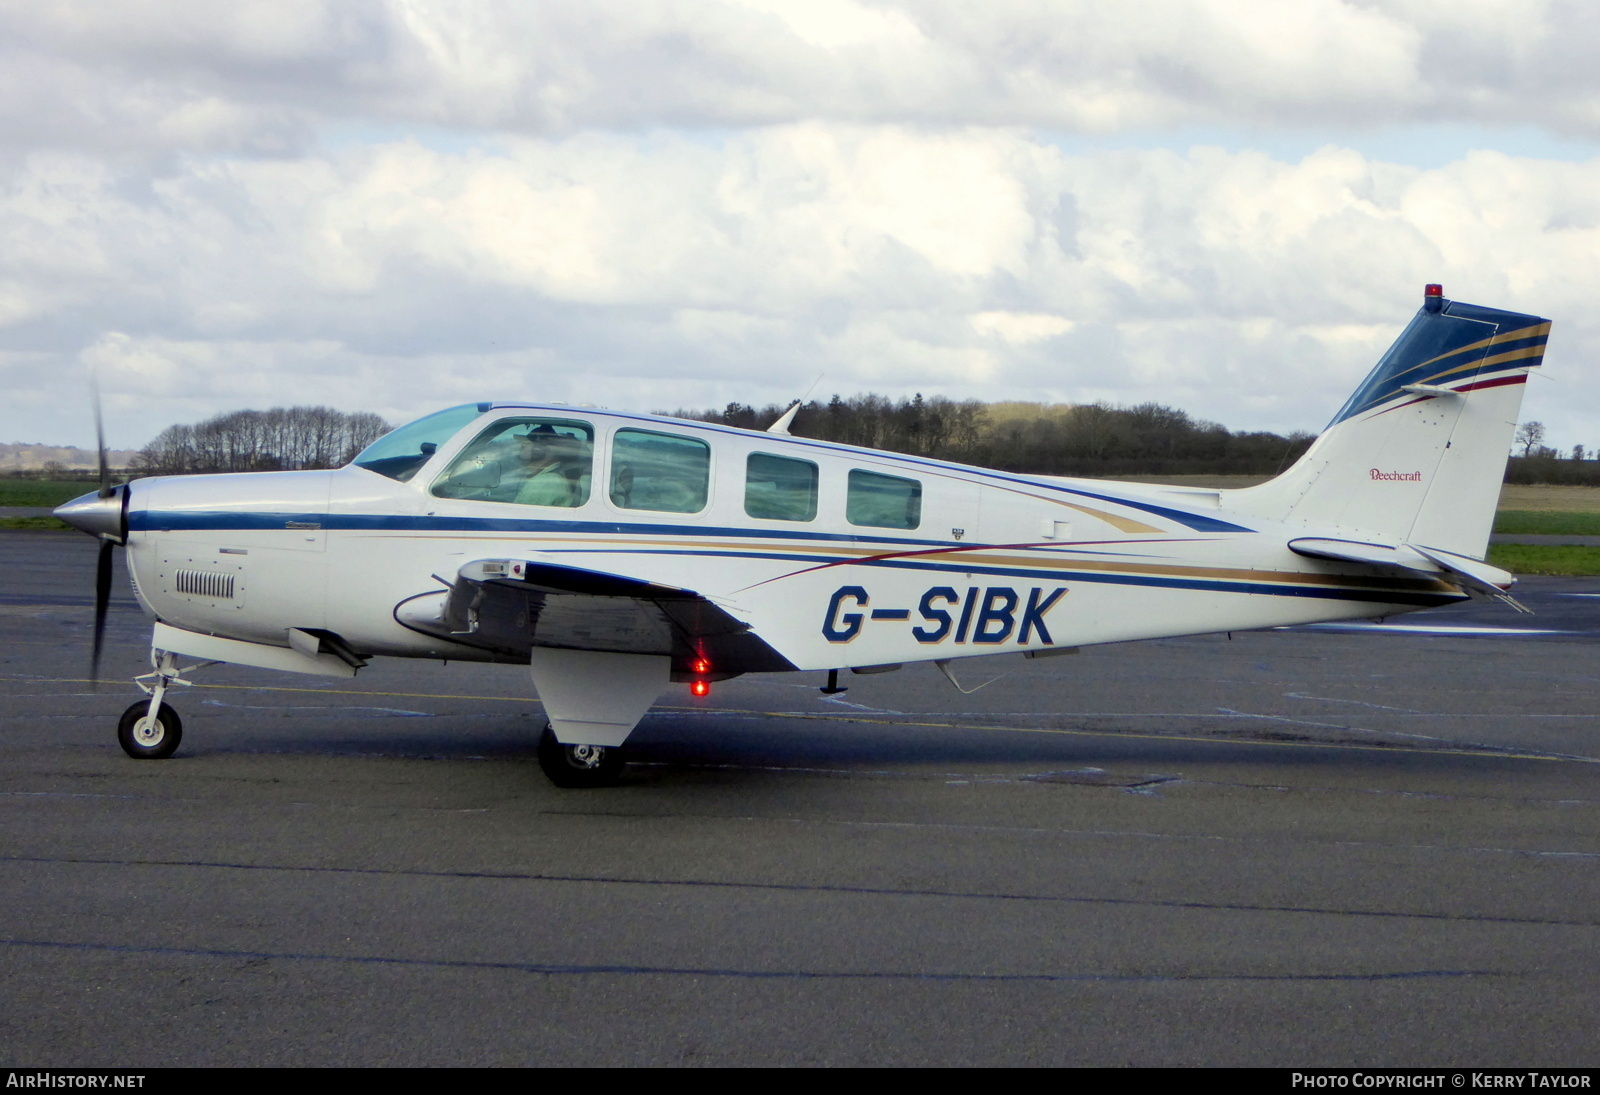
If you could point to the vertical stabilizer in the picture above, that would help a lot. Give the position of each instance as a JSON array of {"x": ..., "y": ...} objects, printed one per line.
[{"x": 1419, "y": 452}]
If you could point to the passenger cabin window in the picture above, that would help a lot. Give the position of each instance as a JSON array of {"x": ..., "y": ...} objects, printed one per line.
[
  {"x": 524, "y": 461},
  {"x": 779, "y": 488},
  {"x": 883, "y": 501},
  {"x": 401, "y": 453},
  {"x": 659, "y": 471}
]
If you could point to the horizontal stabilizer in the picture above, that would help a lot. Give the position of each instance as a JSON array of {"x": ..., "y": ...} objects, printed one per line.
[
  {"x": 1474, "y": 575},
  {"x": 1354, "y": 551}
]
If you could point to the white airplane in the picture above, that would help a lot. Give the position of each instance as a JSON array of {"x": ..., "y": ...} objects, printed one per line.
[{"x": 615, "y": 553}]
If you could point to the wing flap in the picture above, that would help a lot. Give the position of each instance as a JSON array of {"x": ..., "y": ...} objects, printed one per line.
[{"x": 510, "y": 606}]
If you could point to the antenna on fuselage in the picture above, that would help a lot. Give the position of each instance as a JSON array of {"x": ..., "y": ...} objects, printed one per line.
[{"x": 786, "y": 419}]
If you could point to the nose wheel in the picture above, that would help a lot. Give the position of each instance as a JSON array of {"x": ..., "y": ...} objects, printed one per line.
[
  {"x": 579, "y": 765},
  {"x": 145, "y": 738},
  {"x": 151, "y": 729}
]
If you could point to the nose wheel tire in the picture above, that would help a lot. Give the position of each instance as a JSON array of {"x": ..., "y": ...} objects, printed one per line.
[
  {"x": 579, "y": 765},
  {"x": 144, "y": 738}
]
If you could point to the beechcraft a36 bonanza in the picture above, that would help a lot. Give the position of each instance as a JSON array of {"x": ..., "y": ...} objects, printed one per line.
[{"x": 613, "y": 554}]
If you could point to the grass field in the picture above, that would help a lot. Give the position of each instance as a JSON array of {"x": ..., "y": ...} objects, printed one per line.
[
  {"x": 1545, "y": 559},
  {"x": 1550, "y": 499},
  {"x": 41, "y": 492},
  {"x": 1534, "y": 522}
]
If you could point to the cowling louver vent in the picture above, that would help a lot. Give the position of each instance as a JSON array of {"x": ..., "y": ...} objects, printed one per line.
[{"x": 204, "y": 583}]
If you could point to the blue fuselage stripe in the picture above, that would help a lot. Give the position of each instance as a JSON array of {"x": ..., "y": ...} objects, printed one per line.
[{"x": 215, "y": 521}]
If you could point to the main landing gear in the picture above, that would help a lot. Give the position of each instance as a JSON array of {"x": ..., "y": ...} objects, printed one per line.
[
  {"x": 151, "y": 729},
  {"x": 579, "y": 765}
]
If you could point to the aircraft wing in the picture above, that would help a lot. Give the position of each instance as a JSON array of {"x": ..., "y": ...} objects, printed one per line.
[{"x": 509, "y": 606}]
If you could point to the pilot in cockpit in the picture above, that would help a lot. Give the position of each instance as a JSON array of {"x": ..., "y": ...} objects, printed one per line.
[
  {"x": 551, "y": 466},
  {"x": 529, "y": 465}
]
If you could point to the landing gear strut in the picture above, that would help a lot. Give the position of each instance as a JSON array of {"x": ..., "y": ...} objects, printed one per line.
[
  {"x": 151, "y": 729},
  {"x": 579, "y": 765}
]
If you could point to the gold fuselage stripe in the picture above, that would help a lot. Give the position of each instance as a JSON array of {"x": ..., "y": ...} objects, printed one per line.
[{"x": 972, "y": 556}]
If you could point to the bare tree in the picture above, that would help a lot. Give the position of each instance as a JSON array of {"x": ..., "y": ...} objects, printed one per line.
[
  {"x": 283, "y": 438},
  {"x": 1529, "y": 436}
]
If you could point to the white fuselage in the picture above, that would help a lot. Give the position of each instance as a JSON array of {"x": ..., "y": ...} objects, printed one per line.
[{"x": 996, "y": 562}]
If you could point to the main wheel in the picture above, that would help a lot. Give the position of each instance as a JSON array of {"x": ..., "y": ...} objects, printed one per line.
[
  {"x": 144, "y": 738},
  {"x": 579, "y": 765}
]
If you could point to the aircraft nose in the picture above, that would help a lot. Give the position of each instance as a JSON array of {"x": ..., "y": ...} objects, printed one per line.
[{"x": 96, "y": 515}]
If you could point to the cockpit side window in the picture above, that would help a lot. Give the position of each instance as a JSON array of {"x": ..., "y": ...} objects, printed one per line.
[
  {"x": 524, "y": 461},
  {"x": 780, "y": 488},
  {"x": 659, "y": 471},
  {"x": 400, "y": 454},
  {"x": 883, "y": 501}
]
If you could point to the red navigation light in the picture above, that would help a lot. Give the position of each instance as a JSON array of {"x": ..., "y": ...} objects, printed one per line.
[{"x": 700, "y": 688}]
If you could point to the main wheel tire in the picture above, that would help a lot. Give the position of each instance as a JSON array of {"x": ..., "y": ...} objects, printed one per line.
[
  {"x": 579, "y": 765},
  {"x": 145, "y": 739}
]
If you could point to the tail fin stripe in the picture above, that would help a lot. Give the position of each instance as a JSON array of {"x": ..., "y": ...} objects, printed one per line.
[
  {"x": 1515, "y": 355},
  {"x": 1520, "y": 378},
  {"x": 1393, "y": 386},
  {"x": 1539, "y": 330},
  {"x": 1489, "y": 364}
]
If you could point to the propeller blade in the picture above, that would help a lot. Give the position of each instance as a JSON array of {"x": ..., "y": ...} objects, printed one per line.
[
  {"x": 102, "y": 601},
  {"x": 100, "y": 443}
]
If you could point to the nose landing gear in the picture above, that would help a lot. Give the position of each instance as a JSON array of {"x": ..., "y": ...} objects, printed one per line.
[{"x": 151, "y": 729}]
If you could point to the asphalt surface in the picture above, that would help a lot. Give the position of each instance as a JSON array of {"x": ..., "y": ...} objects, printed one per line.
[{"x": 1312, "y": 847}]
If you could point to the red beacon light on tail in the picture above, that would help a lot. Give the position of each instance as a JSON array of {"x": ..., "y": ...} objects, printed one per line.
[{"x": 1433, "y": 298}]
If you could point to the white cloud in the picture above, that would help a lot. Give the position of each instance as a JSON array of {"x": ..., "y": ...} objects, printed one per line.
[
  {"x": 660, "y": 272},
  {"x": 1020, "y": 327},
  {"x": 666, "y": 203},
  {"x": 258, "y": 75}
]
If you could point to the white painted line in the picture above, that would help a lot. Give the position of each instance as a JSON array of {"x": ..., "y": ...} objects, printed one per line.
[{"x": 1420, "y": 629}]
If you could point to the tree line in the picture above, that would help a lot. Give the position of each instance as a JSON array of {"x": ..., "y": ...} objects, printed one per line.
[
  {"x": 1089, "y": 439},
  {"x": 281, "y": 439}
]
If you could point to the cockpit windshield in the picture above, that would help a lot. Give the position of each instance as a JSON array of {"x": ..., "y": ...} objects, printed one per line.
[{"x": 400, "y": 453}]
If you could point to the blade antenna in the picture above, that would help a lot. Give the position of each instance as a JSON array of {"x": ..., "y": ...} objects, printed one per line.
[{"x": 781, "y": 426}]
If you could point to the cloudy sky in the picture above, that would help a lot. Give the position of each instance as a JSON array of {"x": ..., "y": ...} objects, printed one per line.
[{"x": 1229, "y": 206}]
